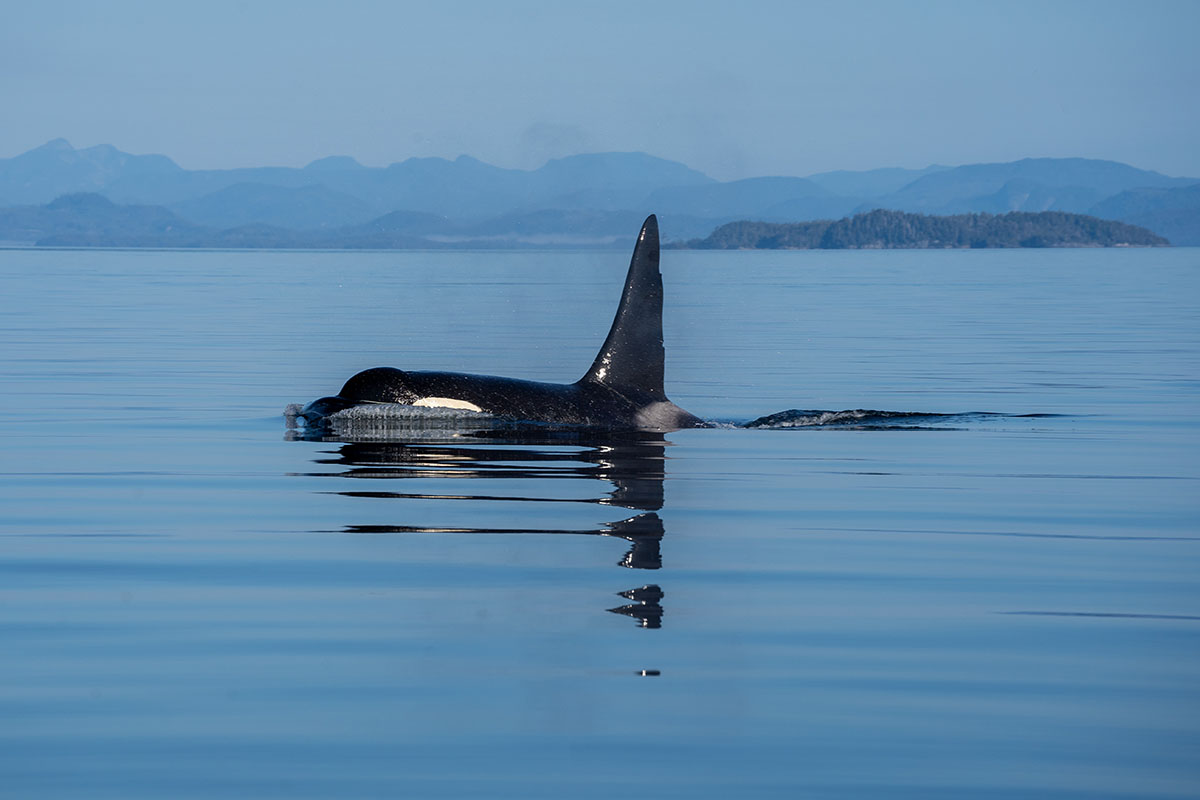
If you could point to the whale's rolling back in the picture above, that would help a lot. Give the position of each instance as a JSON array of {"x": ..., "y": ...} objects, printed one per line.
[{"x": 623, "y": 388}]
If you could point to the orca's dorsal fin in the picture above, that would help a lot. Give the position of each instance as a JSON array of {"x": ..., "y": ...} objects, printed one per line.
[{"x": 631, "y": 359}]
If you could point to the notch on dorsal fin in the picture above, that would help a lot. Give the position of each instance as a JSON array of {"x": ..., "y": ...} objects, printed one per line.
[{"x": 631, "y": 359}]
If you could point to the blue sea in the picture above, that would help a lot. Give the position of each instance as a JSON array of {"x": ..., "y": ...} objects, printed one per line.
[{"x": 982, "y": 583}]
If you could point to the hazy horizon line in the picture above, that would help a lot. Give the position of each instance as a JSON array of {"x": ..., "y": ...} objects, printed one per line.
[{"x": 571, "y": 155}]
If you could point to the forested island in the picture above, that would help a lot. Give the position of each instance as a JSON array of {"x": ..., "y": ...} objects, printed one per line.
[{"x": 883, "y": 230}]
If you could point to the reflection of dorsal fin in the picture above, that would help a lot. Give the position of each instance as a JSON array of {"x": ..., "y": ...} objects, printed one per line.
[{"x": 631, "y": 359}]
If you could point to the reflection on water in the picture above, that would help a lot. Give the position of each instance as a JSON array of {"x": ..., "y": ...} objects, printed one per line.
[
  {"x": 628, "y": 466},
  {"x": 631, "y": 462},
  {"x": 646, "y": 606}
]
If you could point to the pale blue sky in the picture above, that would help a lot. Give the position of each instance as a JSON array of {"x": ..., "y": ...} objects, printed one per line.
[{"x": 735, "y": 90}]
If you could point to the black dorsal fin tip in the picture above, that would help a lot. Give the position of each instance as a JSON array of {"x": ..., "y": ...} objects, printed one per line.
[
  {"x": 649, "y": 235},
  {"x": 631, "y": 360}
]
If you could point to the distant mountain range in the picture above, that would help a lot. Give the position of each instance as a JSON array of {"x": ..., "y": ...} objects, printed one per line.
[{"x": 592, "y": 199}]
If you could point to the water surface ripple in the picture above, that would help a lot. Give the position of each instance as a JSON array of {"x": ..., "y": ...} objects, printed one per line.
[{"x": 847, "y": 601}]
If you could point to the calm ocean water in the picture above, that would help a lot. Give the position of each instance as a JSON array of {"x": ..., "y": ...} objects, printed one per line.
[{"x": 195, "y": 603}]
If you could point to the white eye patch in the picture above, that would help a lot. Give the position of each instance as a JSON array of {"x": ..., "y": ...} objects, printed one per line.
[{"x": 446, "y": 402}]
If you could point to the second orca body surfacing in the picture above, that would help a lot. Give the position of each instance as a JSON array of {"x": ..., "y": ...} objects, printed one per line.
[{"x": 622, "y": 390}]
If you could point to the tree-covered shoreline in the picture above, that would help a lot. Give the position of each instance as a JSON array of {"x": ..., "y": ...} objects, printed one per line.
[{"x": 882, "y": 229}]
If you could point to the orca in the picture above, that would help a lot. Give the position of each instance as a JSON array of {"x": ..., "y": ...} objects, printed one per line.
[{"x": 623, "y": 389}]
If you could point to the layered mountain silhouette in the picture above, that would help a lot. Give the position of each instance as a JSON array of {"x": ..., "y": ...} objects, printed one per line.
[{"x": 101, "y": 196}]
